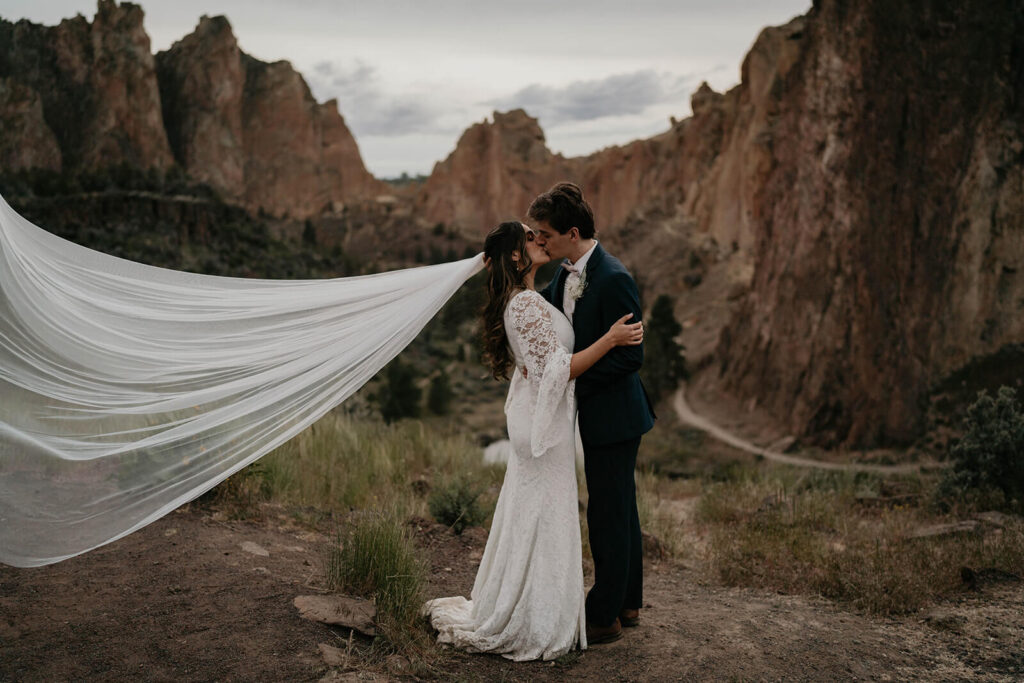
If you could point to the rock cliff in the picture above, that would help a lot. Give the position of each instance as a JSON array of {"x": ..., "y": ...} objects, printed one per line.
[
  {"x": 889, "y": 227},
  {"x": 493, "y": 174},
  {"x": 253, "y": 131},
  {"x": 27, "y": 141},
  {"x": 83, "y": 96},
  {"x": 94, "y": 85},
  {"x": 705, "y": 169}
]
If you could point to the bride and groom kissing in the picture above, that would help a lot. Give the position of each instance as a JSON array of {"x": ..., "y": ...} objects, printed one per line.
[{"x": 573, "y": 351}]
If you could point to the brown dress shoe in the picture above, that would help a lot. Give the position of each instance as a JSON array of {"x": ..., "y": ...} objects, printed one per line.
[
  {"x": 630, "y": 618},
  {"x": 598, "y": 635}
]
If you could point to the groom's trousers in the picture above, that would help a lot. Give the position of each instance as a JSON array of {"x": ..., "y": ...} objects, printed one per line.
[{"x": 614, "y": 529}]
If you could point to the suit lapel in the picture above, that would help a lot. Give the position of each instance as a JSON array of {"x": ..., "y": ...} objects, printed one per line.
[{"x": 590, "y": 271}]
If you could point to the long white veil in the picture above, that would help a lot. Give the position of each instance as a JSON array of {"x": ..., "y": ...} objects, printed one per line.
[{"x": 127, "y": 390}]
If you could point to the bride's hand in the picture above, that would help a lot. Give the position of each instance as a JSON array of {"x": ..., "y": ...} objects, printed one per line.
[{"x": 626, "y": 334}]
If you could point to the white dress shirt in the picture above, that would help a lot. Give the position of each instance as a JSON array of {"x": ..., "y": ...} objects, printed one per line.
[{"x": 572, "y": 281}]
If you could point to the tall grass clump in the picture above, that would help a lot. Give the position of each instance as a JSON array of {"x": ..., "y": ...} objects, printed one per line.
[
  {"x": 376, "y": 559},
  {"x": 988, "y": 461},
  {"x": 341, "y": 463}
]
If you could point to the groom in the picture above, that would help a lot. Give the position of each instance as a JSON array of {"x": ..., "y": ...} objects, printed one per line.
[{"x": 594, "y": 290}]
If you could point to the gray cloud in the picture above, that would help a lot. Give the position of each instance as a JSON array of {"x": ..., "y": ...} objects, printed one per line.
[
  {"x": 368, "y": 110},
  {"x": 616, "y": 95}
]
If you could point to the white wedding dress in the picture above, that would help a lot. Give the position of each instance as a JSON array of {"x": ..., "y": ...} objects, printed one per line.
[{"x": 527, "y": 600}]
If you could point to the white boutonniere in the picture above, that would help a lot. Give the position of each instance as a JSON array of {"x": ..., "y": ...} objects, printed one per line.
[{"x": 575, "y": 289}]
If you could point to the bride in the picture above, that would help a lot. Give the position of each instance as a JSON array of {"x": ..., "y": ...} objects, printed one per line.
[{"x": 527, "y": 600}]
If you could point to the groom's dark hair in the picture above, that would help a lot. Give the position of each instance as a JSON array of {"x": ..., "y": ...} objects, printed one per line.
[{"x": 564, "y": 208}]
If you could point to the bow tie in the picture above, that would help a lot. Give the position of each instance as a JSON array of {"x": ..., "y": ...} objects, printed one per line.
[{"x": 570, "y": 267}]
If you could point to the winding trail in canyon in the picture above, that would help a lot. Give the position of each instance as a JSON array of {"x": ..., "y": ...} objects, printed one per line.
[{"x": 688, "y": 416}]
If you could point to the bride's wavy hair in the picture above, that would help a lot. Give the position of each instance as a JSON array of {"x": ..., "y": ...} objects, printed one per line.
[{"x": 505, "y": 278}]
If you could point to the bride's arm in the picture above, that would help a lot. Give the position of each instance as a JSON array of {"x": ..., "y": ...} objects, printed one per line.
[
  {"x": 620, "y": 334},
  {"x": 528, "y": 320}
]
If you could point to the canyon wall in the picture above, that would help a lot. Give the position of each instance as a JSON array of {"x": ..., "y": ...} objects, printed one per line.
[{"x": 889, "y": 230}]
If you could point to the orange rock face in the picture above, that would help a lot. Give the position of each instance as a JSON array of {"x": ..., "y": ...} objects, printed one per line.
[
  {"x": 83, "y": 96},
  {"x": 201, "y": 87},
  {"x": 253, "y": 131},
  {"x": 496, "y": 170},
  {"x": 888, "y": 223},
  {"x": 97, "y": 86}
]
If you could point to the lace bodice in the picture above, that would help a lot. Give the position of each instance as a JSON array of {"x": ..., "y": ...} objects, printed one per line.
[{"x": 534, "y": 333}]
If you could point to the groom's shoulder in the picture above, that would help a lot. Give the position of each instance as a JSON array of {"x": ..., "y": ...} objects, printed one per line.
[{"x": 613, "y": 265}]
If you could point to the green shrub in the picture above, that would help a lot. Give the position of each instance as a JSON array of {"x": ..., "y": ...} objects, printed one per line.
[
  {"x": 241, "y": 493},
  {"x": 988, "y": 458},
  {"x": 376, "y": 559},
  {"x": 456, "y": 503}
]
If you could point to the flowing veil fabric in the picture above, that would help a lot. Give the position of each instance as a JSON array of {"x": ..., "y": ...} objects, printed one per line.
[{"x": 127, "y": 390}]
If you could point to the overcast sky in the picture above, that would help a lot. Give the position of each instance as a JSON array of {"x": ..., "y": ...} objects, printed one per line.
[{"x": 410, "y": 76}]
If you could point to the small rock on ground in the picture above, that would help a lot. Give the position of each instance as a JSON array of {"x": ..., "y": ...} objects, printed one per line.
[
  {"x": 333, "y": 656},
  {"x": 254, "y": 549},
  {"x": 339, "y": 610}
]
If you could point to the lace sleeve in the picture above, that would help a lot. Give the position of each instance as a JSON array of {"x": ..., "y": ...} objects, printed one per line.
[
  {"x": 547, "y": 369},
  {"x": 531, "y": 324}
]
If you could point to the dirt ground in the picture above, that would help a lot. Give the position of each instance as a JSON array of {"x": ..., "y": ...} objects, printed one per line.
[{"x": 193, "y": 597}]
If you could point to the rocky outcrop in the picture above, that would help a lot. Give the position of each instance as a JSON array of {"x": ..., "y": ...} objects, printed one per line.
[
  {"x": 27, "y": 141},
  {"x": 253, "y": 131},
  {"x": 201, "y": 87},
  {"x": 96, "y": 85},
  {"x": 83, "y": 96},
  {"x": 888, "y": 228},
  {"x": 300, "y": 157},
  {"x": 704, "y": 170},
  {"x": 496, "y": 170}
]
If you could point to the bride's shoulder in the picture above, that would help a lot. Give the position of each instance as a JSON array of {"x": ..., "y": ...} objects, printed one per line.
[
  {"x": 525, "y": 297},
  {"x": 525, "y": 302}
]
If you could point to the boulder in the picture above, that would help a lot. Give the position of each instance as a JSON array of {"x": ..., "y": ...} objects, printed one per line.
[{"x": 339, "y": 610}]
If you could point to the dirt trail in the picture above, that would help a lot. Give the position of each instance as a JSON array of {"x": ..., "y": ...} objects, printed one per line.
[
  {"x": 688, "y": 416},
  {"x": 182, "y": 600}
]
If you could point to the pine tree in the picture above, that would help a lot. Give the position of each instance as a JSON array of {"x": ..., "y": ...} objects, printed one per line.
[
  {"x": 988, "y": 456},
  {"x": 439, "y": 398},
  {"x": 664, "y": 364},
  {"x": 399, "y": 397},
  {"x": 309, "y": 234}
]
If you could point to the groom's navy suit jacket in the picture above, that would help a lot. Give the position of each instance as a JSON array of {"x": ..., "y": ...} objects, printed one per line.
[{"x": 612, "y": 403}]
